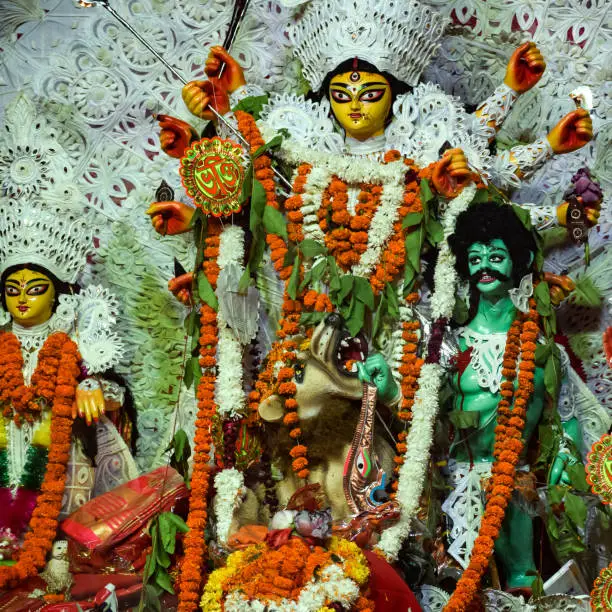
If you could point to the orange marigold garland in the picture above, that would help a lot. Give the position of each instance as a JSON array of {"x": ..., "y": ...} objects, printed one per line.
[
  {"x": 55, "y": 380},
  {"x": 511, "y": 415},
  {"x": 192, "y": 565}
]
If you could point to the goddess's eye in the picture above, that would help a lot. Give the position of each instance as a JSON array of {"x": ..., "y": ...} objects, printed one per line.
[
  {"x": 372, "y": 95},
  {"x": 37, "y": 290},
  {"x": 340, "y": 96},
  {"x": 11, "y": 291}
]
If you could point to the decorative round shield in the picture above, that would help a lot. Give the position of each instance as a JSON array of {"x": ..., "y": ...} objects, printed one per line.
[
  {"x": 601, "y": 595},
  {"x": 599, "y": 468},
  {"x": 212, "y": 173}
]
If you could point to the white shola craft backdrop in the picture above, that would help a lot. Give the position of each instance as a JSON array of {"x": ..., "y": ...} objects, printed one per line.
[{"x": 100, "y": 90}]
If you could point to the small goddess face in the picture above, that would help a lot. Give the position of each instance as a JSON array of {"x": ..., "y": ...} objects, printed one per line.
[
  {"x": 29, "y": 297},
  {"x": 361, "y": 102},
  {"x": 490, "y": 267}
]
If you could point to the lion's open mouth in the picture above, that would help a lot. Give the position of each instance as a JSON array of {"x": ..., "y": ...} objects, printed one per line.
[{"x": 349, "y": 351}]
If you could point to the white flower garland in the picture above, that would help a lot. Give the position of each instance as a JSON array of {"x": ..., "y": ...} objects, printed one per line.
[
  {"x": 413, "y": 470},
  {"x": 229, "y": 485},
  {"x": 353, "y": 171},
  {"x": 229, "y": 389},
  {"x": 332, "y": 584},
  {"x": 445, "y": 274},
  {"x": 381, "y": 228}
]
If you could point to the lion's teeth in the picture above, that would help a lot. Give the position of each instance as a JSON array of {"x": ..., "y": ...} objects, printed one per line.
[
  {"x": 361, "y": 355},
  {"x": 339, "y": 356},
  {"x": 354, "y": 367},
  {"x": 344, "y": 343}
]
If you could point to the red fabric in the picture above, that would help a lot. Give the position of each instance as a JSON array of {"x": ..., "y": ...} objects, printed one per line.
[
  {"x": 87, "y": 585},
  {"x": 389, "y": 592}
]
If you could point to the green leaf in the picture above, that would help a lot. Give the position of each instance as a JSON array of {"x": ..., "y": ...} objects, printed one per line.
[
  {"x": 274, "y": 222},
  {"x": 555, "y": 494},
  {"x": 426, "y": 193},
  {"x": 258, "y": 205},
  {"x": 460, "y": 311},
  {"x": 312, "y": 318},
  {"x": 162, "y": 579},
  {"x": 363, "y": 292},
  {"x": 542, "y": 297},
  {"x": 576, "y": 509},
  {"x": 292, "y": 285},
  {"x": 413, "y": 245},
  {"x": 435, "y": 233},
  {"x": 272, "y": 144},
  {"x": 552, "y": 374},
  {"x": 247, "y": 185},
  {"x": 537, "y": 587},
  {"x": 409, "y": 278},
  {"x": 346, "y": 286},
  {"x": 381, "y": 311},
  {"x": 482, "y": 195},
  {"x": 252, "y": 105},
  {"x": 546, "y": 437},
  {"x": 523, "y": 215},
  {"x": 311, "y": 248},
  {"x": 355, "y": 322},
  {"x": 206, "y": 292},
  {"x": 552, "y": 527},
  {"x": 192, "y": 323},
  {"x": 413, "y": 218},
  {"x": 334, "y": 275},
  {"x": 586, "y": 293},
  {"x": 542, "y": 353},
  {"x": 391, "y": 296},
  {"x": 577, "y": 476},
  {"x": 318, "y": 270},
  {"x": 188, "y": 375}
]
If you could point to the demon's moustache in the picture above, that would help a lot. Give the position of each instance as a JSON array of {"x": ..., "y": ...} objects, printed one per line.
[{"x": 475, "y": 278}]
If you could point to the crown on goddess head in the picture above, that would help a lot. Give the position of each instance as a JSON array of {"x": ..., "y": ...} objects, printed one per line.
[
  {"x": 43, "y": 219},
  {"x": 396, "y": 36}
]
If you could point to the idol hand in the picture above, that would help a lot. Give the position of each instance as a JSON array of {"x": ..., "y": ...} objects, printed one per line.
[
  {"x": 376, "y": 371},
  {"x": 180, "y": 287},
  {"x": 451, "y": 173},
  {"x": 199, "y": 96},
  {"x": 89, "y": 401},
  {"x": 175, "y": 135},
  {"x": 592, "y": 211},
  {"x": 572, "y": 132},
  {"x": 558, "y": 473},
  {"x": 232, "y": 76},
  {"x": 525, "y": 68},
  {"x": 560, "y": 286},
  {"x": 170, "y": 218}
]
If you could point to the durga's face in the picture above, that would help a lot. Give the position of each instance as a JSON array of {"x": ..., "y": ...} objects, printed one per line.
[
  {"x": 29, "y": 297},
  {"x": 361, "y": 102}
]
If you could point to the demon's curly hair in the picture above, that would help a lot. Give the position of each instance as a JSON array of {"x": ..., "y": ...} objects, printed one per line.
[{"x": 487, "y": 221}]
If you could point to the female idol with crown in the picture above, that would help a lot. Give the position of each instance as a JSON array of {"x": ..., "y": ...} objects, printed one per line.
[
  {"x": 366, "y": 159},
  {"x": 53, "y": 345}
]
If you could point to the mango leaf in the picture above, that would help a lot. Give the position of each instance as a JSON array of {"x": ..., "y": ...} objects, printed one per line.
[
  {"x": 523, "y": 216},
  {"x": 272, "y": 144},
  {"x": 542, "y": 298},
  {"x": 413, "y": 245},
  {"x": 192, "y": 323},
  {"x": 413, "y": 218},
  {"x": 311, "y": 248},
  {"x": 576, "y": 509},
  {"x": 426, "y": 193},
  {"x": 188, "y": 375},
  {"x": 586, "y": 293},
  {"x": 409, "y": 278},
  {"x": 292, "y": 285},
  {"x": 552, "y": 527},
  {"x": 346, "y": 286},
  {"x": 577, "y": 476},
  {"x": 252, "y": 105},
  {"x": 391, "y": 296},
  {"x": 355, "y": 321},
  {"x": 247, "y": 185},
  {"x": 552, "y": 374},
  {"x": 318, "y": 270},
  {"x": 380, "y": 313},
  {"x": 274, "y": 222},
  {"x": 206, "y": 292},
  {"x": 555, "y": 494},
  {"x": 482, "y": 195},
  {"x": 542, "y": 353},
  {"x": 312, "y": 318},
  {"x": 258, "y": 205},
  {"x": 546, "y": 438},
  {"x": 363, "y": 292},
  {"x": 334, "y": 275},
  {"x": 435, "y": 233},
  {"x": 162, "y": 579},
  {"x": 460, "y": 311},
  {"x": 537, "y": 587}
]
